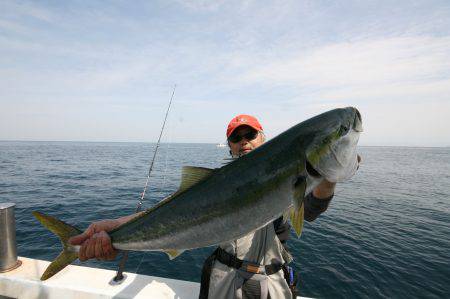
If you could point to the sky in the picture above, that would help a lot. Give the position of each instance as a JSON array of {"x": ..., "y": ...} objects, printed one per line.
[{"x": 105, "y": 70}]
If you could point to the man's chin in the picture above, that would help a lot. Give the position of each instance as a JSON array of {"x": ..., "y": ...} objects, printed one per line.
[{"x": 244, "y": 152}]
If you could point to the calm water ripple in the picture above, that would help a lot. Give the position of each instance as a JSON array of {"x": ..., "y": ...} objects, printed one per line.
[{"x": 386, "y": 233}]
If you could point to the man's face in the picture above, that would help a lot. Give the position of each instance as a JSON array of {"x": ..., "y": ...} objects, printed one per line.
[{"x": 244, "y": 146}]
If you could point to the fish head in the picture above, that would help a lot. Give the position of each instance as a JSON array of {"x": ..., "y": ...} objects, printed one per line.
[{"x": 331, "y": 150}]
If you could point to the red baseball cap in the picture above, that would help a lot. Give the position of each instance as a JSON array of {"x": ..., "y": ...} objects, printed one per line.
[{"x": 243, "y": 120}]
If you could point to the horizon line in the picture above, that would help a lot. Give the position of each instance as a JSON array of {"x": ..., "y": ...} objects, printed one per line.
[{"x": 215, "y": 143}]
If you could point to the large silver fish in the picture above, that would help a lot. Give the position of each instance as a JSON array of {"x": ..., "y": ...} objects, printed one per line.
[{"x": 217, "y": 205}]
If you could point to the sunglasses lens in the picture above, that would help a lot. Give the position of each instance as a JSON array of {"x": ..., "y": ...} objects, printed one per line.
[
  {"x": 251, "y": 135},
  {"x": 235, "y": 138}
]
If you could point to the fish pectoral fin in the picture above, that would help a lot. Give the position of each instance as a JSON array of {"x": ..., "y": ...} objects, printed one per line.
[
  {"x": 297, "y": 217},
  {"x": 297, "y": 210},
  {"x": 192, "y": 175},
  {"x": 299, "y": 192},
  {"x": 173, "y": 253}
]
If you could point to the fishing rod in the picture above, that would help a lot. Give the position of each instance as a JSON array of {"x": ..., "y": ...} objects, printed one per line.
[{"x": 119, "y": 275}]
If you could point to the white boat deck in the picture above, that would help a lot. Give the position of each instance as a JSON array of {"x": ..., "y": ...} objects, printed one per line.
[{"x": 84, "y": 282}]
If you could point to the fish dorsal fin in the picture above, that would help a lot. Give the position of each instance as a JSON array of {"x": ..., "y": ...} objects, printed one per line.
[
  {"x": 297, "y": 210},
  {"x": 192, "y": 175},
  {"x": 173, "y": 253}
]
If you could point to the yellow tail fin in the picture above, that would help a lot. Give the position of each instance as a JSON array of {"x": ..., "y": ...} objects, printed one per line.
[{"x": 64, "y": 231}]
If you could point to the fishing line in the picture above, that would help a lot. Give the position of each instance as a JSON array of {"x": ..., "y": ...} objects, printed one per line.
[
  {"x": 138, "y": 209},
  {"x": 119, "y": 275},
  {"x": 169, "y": 141},
  {"x": 163, "y": 184}
]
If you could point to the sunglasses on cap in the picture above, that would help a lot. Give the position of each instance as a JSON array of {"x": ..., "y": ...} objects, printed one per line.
[{"x": 235, "y": 138}]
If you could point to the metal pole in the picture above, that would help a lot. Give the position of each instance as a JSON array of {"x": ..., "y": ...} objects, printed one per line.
[{"x": 8, "y": 250}]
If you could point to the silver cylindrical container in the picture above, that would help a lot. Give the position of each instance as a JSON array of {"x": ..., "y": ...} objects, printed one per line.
[{"x": 8, "y": 249}]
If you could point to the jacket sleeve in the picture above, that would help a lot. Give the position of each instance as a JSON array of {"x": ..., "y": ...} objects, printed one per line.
[{"x": 315, "y": 206}]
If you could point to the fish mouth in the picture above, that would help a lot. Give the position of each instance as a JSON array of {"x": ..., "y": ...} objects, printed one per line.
[
  {"x": 357, "y": 122},
  {"x": 311, "y": 171},
  {"x": 332, "y": 154}
]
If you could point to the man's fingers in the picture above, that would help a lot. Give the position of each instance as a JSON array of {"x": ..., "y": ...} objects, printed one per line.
[
  {"x": 82, "y": 252},
  {"x": 97, "y": 246},
  {"x": 95, "y": 242},
  {"x": 79, "y": 239},
  {"x": 106, "y": 244},
  {"x": 110, "y": 252},
  {"x": 98, "y": 250},
  {"x": 90, "y": 248}
]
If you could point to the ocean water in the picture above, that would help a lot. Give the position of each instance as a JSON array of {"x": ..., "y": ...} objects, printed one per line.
[{"x": 385, "y": 234}]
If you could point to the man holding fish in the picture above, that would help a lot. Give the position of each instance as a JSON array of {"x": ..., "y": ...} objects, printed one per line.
[
  {"x": 241, "y": 206},
  {"x": 253, "y": 266}
]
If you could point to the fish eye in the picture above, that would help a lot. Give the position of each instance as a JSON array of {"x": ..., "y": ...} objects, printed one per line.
[{"x": 343, "y": 130}]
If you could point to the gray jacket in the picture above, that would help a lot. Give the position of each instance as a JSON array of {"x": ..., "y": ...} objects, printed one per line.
[{"x": 262, "y": 247}]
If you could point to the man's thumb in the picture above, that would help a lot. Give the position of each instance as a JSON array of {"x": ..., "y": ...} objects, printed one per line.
[{"x": 79, "y": 239}]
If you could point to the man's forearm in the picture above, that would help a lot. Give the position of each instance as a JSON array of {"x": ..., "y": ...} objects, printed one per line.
[{"x": 317, "y": 201}]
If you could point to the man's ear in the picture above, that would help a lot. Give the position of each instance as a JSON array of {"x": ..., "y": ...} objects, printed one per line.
[{"x": 263, "y": 136}]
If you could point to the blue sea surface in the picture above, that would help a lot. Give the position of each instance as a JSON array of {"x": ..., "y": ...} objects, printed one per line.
[{"x": 385, "y": 234}]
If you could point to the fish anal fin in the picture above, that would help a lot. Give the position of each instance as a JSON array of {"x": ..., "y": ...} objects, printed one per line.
[
  {"x": 173, "y": 253},
  {"x": 192, "y": 175}
]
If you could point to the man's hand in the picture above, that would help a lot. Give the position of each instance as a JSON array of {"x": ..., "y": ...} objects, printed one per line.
[
  {"x": 95, "y": 242},
  {"x": 326, "y": 189}
]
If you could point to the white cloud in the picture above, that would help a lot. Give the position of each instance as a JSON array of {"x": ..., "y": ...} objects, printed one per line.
[{"x": 361, "y": 63}]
